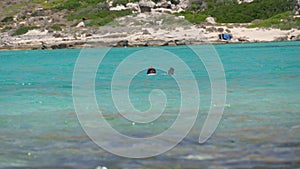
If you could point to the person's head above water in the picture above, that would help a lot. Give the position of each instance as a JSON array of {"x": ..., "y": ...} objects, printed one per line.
[
  {"x": 171, "y": 71},
  {"x": 150, "y": 67}
]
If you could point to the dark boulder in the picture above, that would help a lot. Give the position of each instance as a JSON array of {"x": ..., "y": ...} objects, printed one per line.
[{"x": 122, "y": 43}]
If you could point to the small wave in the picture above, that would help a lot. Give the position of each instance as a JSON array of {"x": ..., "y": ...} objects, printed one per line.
[
  {"x": 198, "y": 157},
  {"x": 296, "y": 127}
]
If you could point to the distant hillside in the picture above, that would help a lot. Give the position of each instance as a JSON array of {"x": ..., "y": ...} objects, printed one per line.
[
  {"x": 232, "y": 12},
  {"x": 19, "y": 16},
  {"x": 265, "y": 13}
]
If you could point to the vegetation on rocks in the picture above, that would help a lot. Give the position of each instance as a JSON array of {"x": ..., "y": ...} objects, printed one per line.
[
  {"x": 193, "y": 17},
  {"x": 23, "y": 29},
  {"x": 57, "y": 27},
  {"x": 95, "y": 11},
  {"x": 68, "y": 13},
  {"x": 283, "y": 21},
  {"x": 229, "y": 11},
  {"x": 7, "y": 19},
  {"x": 97, "y": 17}
]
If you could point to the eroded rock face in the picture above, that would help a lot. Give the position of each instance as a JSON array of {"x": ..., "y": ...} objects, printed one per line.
[
  {"x": 59, "y": 46},
  {"x": 184, "y": 4},
  {"x": 146, "y": 5},
  {"x": 122, "y": 43},
  {"x": 118, "y": 8},
  {"x": 297, "y": 8},
  {"x": 282, "y": 38},
  {"x": 164, "y": 4},
  {"x": 134, "y": 7}
]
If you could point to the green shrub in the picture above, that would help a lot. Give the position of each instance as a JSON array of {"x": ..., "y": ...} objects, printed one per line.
[
  {"x": 96, "y": 11},
  {"x": 193, "y": 17},
  {"x": 283, "y": 21},
  {"x": 7, "y": 19},
  {"x": 6, "y": 28},
  {"x": 23, "y": 29},
  {"x": 96, "y": 17},
  {"x": 69, "y": 4},
  {"x": 57, "y": 27},
  {"x": 104, "y": 17},
  {"x": 76, "y": 4},
  {"x": 53, "y": 4},
  {"x": 120, "y": 2},
  {"x": 229, "y": 12}
]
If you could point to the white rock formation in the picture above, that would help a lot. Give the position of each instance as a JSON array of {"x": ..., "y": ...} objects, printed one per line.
[
  {"x": 36, "y": 32},
  {"x": 210, "y": 20},
  {"x": 80, "y": 24},
  {"x": 241, "y": 1},
  {"x": 118, "y": 8},
  {"x": 184, "y": 4},
  {"x": 147, "y": 3},
  {"x": 134, "y": 7}
]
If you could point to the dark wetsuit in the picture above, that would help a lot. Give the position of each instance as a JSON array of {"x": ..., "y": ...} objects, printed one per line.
[{"x": 151, "y": 71}]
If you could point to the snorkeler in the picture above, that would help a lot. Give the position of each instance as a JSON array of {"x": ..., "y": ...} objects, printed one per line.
[{"x": 151, "y": 71}]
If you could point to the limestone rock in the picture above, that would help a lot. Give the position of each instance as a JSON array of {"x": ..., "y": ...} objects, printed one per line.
[
  {"x": 210, "y": 20},
  {"x": 146, "y": 5},
  {"x": 242, "y": 1},
  {"x": 80, "y": 25},
  {"x": 102, "y": 6},
  {"x": 118, "y": 8},
  {"x": 243, "y": 39},
  {"x": 162, "y": 10},
  {"x": 297, "y": 8},
  {"x": 180, "y": 42},
  {"x": 134, "y": 7},
  {"x": 122, "y": 43},
  {"x": 59, "y": 46},
  {"x": 36, "y": 32},
  {"x": 156, "y": 43},
  {"x": 184, "y": 4},
  {"x": 181, "y": 17},
  {"x": 163, "y": 4},
  {"x": 282, "y": 38}
]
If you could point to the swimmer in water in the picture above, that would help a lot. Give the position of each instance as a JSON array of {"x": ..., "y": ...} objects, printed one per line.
[
  {"x": 171, "y": 71},
  {"x": 151, "y": 71}
]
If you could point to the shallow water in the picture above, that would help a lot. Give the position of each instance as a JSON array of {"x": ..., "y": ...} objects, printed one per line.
[{"x": 260, "y": 125}]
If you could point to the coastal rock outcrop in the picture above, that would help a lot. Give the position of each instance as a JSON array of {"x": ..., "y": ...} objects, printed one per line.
[
  {"x": 118, "y": 8},
  {"x": 122, "y": 43},
  {"x": 210, "y": 20},
  {"x": 164, "y": 4},
  {"x": 156, "y": 43},
  {"x": 146, "y": 5},
  {"x": 297, "y": 8},
  {"x": 281, "y": 38},
  {"x": 134, "y": 7},
  {"x": 59, "y": 46},
  {"x": 184, "y": 4},
  {"x": 180, "y": 42}
]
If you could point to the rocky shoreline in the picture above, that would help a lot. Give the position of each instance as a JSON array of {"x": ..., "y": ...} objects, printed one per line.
[
  {"x": 151, "y": 24},
  {"x": 144, "y": 29}
]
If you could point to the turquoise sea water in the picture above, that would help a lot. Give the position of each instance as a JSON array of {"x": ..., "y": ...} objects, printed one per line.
[{"x": 260, "y": 125}]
